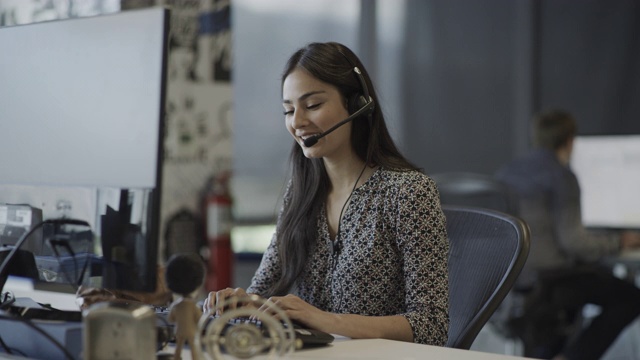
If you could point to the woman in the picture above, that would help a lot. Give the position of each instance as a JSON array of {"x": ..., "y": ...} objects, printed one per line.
[{"x": 360, "y": 248}]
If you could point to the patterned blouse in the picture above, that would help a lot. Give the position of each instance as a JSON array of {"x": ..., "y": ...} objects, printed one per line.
[{"x": 393, "y": 260}]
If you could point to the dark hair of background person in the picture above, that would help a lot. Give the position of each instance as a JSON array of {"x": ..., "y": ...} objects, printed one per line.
[
  {"x": 333, "y": 64},
  {"x": 553, "y": 128}
]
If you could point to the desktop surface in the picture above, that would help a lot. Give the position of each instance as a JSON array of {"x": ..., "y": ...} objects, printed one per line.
[
  {"x": 58, "y": 299},
  {"x": 374, "y": 349}
]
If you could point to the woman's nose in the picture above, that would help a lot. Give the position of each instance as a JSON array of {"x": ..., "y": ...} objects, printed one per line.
[{"x": 299, "y": 120}]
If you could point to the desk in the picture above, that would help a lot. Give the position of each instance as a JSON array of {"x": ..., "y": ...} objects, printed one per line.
[
  {"x": 379, "y": 349},
  {"x": 341, "y": 348},
  {"x": 25, "y": 288}
]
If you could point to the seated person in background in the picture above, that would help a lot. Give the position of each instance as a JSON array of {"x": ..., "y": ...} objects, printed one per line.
[
  {"x": 563, "y": 260},
  {"x": 360, "y": 248}
]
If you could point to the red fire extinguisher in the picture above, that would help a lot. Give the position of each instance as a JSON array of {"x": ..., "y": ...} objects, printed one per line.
[{"x": 218, "y": 215}]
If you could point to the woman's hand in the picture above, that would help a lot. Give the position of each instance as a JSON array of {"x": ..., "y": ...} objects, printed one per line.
[
  {"x": 299, "y": 311},
  {"x": 215, "y": 299},
  {"x": 395, "y": 327}
]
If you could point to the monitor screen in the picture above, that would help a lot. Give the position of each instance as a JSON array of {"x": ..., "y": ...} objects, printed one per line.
[
  {"x": 608, "y": 170},
  {"x": 81, "y": 108}
]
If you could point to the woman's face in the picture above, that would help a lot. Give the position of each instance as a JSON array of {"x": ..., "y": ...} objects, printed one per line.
[{"x": 311, "y": 107}]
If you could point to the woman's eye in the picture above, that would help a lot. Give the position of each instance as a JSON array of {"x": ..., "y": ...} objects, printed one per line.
[{"x": 308, "y": 107}]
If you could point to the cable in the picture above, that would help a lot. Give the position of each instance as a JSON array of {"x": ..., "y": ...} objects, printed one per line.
[
  {"x": 5, "y": 264},
  {"x": 38, "y": 330},
  {"x": 5, "y": 347},
  {"x": 4, "y": 274},
  {"x": 337, "y": 242},
  {"x": 64, "y": 243}
]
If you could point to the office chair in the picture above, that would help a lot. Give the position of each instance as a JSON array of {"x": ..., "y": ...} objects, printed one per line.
[
  {"x": 474, "y": 189},
  {"x": 485, "y": 191},
  {"x": 488, "y": 249}
]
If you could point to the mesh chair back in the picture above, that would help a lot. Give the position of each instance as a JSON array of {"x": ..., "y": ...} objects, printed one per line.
[
  {"x": 472, "y": 189},
  {"x": 487, "y": 252}
]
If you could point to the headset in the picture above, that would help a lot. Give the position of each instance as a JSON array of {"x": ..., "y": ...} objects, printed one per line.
[
  {"x": 359, "y": 102},
  {"x": 357, "y": 105}
]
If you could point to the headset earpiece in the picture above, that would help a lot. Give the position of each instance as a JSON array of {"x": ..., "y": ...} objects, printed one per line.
[
  {"x": 359, "y": 100},
  {"x": 355, "y": 103}
]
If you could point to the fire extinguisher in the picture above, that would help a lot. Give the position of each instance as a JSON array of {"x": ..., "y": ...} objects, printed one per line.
[{"x": 218, "y": 227}]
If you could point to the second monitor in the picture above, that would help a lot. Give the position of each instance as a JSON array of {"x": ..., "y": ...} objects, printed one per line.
[{"x": 608, "y": 171}]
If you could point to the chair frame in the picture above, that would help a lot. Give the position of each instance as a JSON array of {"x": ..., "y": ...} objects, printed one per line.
[{"x": 464, "y": 339}]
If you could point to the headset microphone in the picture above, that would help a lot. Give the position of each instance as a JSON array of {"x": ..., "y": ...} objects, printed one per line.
[
  {"x": 365, "y": 110},
  {"x": 363, "y": 102}
]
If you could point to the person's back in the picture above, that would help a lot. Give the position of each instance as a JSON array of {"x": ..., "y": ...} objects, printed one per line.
[
  {"x": 562, "y": 269},
  {"x": 538, "y": 179}
]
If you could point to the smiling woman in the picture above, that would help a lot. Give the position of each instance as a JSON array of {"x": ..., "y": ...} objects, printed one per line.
[{"x": 360, "y": 247}]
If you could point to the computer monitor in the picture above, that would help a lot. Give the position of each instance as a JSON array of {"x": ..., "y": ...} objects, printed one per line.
[
  {"x": 81, "y": 108},
  {"x": 608, "y": 171}
]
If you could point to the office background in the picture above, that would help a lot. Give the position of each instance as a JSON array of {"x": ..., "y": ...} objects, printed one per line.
[
  {"x": 197, "y": 144},
  {"x": 458, "y": 80}
]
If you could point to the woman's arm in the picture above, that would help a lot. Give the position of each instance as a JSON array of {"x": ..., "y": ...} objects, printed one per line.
[
  {"x": 350, "y": 325},
  {"x": 423, "y": 243}
]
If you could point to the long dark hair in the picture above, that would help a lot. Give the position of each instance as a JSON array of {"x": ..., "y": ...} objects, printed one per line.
[{"x": 333, "y": 64}]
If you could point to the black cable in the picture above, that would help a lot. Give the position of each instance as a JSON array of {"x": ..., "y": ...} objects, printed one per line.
[
  {"x": 4, "y": 274},
  {"x": 64, "y": 243},
  {"x": 5, "y": 264},
  {"x": 337, "y": 242},
  {"x": 54, "y": 244},
  {"x": 18, "y": 352},
  {"x": 38, "y": 330},
  {"x": 8, "y": 350}
]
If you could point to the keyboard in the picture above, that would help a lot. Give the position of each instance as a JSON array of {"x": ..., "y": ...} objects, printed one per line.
[{"x": 305, "y": 337}]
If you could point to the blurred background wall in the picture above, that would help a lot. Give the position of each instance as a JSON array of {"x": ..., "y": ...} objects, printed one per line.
[{"x": 458, "y": 80}]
